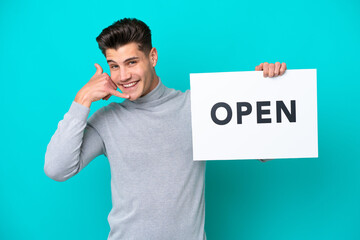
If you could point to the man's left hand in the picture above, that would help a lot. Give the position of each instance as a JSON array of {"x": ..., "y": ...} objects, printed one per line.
[{"x": 271, "y": 69}]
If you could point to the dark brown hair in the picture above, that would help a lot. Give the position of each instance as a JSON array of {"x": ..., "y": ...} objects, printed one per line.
[{"x": 125, "y": 31}]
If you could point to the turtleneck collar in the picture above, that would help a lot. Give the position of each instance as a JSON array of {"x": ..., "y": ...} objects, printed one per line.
[{"x": 155, "y": 94}]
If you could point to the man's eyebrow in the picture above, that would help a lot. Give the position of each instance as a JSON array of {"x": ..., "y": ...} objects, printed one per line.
[{"x": 132, "y": 58}]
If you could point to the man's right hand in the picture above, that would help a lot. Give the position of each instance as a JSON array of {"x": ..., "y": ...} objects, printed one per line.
[{"x": 99, "y": 87}]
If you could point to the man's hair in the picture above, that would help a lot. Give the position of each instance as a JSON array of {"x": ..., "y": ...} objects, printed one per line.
[{"x": 124, "y": 31}]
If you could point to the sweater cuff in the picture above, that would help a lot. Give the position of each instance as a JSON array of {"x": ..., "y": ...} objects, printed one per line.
[{"x": 79, "y": 111}]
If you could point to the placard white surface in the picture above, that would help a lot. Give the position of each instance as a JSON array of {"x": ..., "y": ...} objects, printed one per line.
[{"x": 250, "y": 139}]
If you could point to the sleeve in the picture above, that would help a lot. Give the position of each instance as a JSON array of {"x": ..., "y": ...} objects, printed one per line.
[{"x": 73, "y": 146}]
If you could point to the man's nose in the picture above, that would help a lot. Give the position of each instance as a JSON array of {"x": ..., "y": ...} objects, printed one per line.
[{"x": 124, "y": 74}]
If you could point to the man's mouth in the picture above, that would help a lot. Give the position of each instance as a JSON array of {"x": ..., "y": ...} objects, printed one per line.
[{"x": 129, "y": 85}]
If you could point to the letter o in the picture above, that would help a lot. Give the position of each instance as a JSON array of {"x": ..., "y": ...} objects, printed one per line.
[{"x": 213, "y": 113}]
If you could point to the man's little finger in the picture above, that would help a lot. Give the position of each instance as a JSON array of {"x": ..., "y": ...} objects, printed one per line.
[{"x": 118, "y": 94}]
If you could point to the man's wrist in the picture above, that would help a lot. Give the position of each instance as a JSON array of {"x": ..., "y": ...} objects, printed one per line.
[{"x": 81, "y": 99}]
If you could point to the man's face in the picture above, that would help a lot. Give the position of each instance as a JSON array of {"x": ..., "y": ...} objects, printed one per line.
[{"x": 131, "y": 70}]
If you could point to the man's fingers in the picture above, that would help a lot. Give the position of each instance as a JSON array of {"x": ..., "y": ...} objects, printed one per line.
[
  {"x": 271, "y": 69},
  {"x": 118, "y": 94},
  {"x": 111, "y": 82},
  {"x": 277, "y": 69},
  {"x": 282, "y": 68},
  {"x": 259, "y": 67},
  {"x": 106, "y": 97},
  {"x": 99, "y": 69},
  {"x": 111, "y": 87},
  {"x": 265, "y": 69}
]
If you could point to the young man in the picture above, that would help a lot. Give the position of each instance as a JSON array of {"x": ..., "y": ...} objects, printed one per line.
[{"x": 157, "y": 188}]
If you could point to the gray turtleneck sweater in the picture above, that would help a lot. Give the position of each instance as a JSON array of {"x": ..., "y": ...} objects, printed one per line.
[{"x": 157, "y": 189}]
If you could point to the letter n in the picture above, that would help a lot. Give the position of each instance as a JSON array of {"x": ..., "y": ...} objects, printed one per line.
[{"x": 291, "y": 116}]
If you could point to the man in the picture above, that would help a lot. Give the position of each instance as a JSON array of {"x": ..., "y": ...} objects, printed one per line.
[{"x": 157, "y": 188}]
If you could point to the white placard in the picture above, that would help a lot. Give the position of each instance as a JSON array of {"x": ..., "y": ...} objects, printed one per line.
[{"x": 242, "y": 115}]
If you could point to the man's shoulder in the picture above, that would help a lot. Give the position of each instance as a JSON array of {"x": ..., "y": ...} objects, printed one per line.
[
  {"x": 179, "y": 92},
  {"x": 179, "y": 95}
]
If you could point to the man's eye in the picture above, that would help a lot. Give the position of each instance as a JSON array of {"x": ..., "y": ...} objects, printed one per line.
[
  {"x": 132, "y": 62},
  {"x": 114, "y": 66}
]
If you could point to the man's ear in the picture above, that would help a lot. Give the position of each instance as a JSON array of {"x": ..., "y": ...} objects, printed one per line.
[{"x": 153, "y": 56}]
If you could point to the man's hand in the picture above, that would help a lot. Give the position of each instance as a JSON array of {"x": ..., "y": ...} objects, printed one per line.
[
  {"x": 99, "y": 87},
  {"x": 271, "y": 70}
]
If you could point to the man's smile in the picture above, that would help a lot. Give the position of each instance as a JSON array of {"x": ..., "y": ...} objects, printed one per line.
[{"x": 130, "y": 85}]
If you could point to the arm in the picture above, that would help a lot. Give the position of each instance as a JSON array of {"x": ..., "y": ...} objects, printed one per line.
[
  {"x": 74, "y": 145},
  {"x": 76, "y": 142}
]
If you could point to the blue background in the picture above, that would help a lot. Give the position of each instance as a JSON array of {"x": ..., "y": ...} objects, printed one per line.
[{"x": 48, "y": 51}]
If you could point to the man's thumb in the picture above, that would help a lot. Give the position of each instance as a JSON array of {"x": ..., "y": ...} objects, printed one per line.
[{"x": 99, "y": 69}]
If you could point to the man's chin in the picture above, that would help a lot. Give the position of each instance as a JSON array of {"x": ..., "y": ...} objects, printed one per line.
[{"x": 133, "y": 97}]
